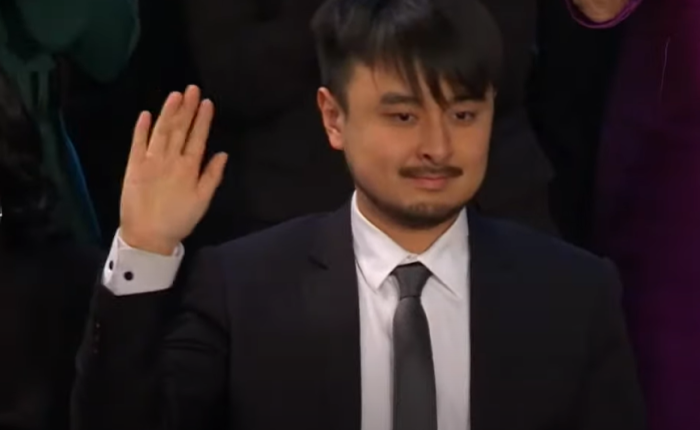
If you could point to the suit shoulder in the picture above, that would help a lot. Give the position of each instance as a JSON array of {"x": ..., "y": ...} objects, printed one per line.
[
  {"x": 266, "y": 257},
  {"x": 551, "y": 255},
  {"x": 285, "y": 240}
]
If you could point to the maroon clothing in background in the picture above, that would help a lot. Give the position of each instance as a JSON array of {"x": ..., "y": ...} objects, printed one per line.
[{"x": 648, "y": 214}]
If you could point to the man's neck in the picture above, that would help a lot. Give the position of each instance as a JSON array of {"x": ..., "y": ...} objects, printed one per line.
[{"x": 415, "y": 241}]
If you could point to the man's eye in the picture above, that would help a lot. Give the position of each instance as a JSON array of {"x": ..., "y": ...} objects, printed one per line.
[
  {"x": 464, "y": 116},
  {"x": 403, "y": 117}
]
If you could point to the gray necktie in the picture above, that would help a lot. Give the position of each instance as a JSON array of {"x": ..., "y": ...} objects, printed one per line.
[{"x": 414, "y": 376}]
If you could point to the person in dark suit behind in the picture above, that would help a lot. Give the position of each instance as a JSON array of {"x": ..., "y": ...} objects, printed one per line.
[
  {"x": 568, "y": 91},
  {"x": 517, "y": 185},
  {"x": 401, "y": 310},
  {"x": 158, "y": 65},
  {"x": 45, "y": 282},
  {"x": 256, "y": 60}
]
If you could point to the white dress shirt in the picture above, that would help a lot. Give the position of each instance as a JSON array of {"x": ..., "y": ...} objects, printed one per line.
[
  {"x": 445, "y": 299},
  {"x": 132, "y": 271}
]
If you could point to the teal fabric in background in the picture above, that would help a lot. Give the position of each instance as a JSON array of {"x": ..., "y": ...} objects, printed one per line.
[
  {"x": 75, "y": 172},
  {"x": 99, "y": 37}
]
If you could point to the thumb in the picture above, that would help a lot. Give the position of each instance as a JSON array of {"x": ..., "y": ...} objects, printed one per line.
[{"x": 212, "y": 175}]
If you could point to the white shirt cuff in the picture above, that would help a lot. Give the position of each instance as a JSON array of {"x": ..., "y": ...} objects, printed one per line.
[{"x": 132, "y": 271}]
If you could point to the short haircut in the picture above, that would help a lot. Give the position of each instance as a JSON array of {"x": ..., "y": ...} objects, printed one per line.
[{"x": 453, "y": 40}]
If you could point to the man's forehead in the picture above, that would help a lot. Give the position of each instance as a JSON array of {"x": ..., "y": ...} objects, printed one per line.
[{"x": 392, "y": 86}]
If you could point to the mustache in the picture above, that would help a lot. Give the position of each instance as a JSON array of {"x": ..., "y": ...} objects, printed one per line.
[{"x": 430, "y": 171}]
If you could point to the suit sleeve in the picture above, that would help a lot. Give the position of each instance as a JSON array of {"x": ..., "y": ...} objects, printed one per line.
[
  {"x": 155, "y": 360},
  {"x": 251, "y": 66},
  {"x": 611, "y": 396}
]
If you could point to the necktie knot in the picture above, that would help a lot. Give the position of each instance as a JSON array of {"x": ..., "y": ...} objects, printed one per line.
[{"x": 411, "y": 279}]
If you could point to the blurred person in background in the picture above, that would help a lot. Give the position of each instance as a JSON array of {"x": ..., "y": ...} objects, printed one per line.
[
  {"x": 648, "y": 202},
  {"x": 95, "y": 110},
  {"x": 517, "y": 184},
  {"x": 45, "y": 281},
  {"x": 567, "y": 94},
  {"x": 96, "y": 36}
]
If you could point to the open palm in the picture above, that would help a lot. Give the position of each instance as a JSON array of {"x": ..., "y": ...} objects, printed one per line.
[{"x": 165, "y": 192}]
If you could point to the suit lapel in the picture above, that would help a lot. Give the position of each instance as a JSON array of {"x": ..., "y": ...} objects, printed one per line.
[
  {"x": 332, "y": 309},
  {"x": 492, "y": 339}
]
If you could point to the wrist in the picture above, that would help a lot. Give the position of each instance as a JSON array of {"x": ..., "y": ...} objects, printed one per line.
[{"x": 148, "y": 243}]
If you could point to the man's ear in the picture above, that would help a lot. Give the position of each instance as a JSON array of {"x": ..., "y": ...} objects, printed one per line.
[{"x": 333, "y": 117}]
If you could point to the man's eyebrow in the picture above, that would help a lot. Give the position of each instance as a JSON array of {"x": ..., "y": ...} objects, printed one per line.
[
  {"x": 400, "y": 99},
  {"x": 393, "y": 99},
  {"x": 466, "y": 97}
]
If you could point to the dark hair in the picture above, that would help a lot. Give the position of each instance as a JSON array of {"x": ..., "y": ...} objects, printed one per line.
[
  {"x": 454, "y": 40},
  {"x": 26, "y": 194}
]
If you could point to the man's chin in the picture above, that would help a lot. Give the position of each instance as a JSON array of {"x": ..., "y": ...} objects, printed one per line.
[
  {"x": 425, "y": 215},
  {"x": 425, "y": 211}
]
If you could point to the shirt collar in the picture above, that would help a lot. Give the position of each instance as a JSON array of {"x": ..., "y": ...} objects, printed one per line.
[{"x": 377, "y": 255}]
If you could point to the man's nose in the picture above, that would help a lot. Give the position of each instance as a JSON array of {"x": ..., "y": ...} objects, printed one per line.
[{"x": 436, "y": 145}]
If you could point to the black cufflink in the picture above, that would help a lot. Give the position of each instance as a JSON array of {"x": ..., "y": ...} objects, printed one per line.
[
  {"x": 111, "y": 265},
  {"x": 128, "y": 276}
]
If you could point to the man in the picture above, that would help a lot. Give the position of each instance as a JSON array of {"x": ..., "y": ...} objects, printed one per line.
[
  {"x": 256, "y": 59},
  {"x": 402, "y": 310}
]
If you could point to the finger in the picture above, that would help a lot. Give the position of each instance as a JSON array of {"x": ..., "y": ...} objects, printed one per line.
[
  {"x": 139, "y": 142},
  {"x": 161, "y": 131},
  {"x": 182, "y": 122},
  {"x": 197, "y": 141},
  {"x": 212, "y": 175}
]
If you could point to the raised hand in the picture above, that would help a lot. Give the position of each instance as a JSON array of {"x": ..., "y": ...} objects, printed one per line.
[
  {"x": 601, "y": 10},
  {"x": 165, "y": 192}
]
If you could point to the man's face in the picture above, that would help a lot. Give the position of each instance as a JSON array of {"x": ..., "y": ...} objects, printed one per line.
[{"x": 412, "y": 159}]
